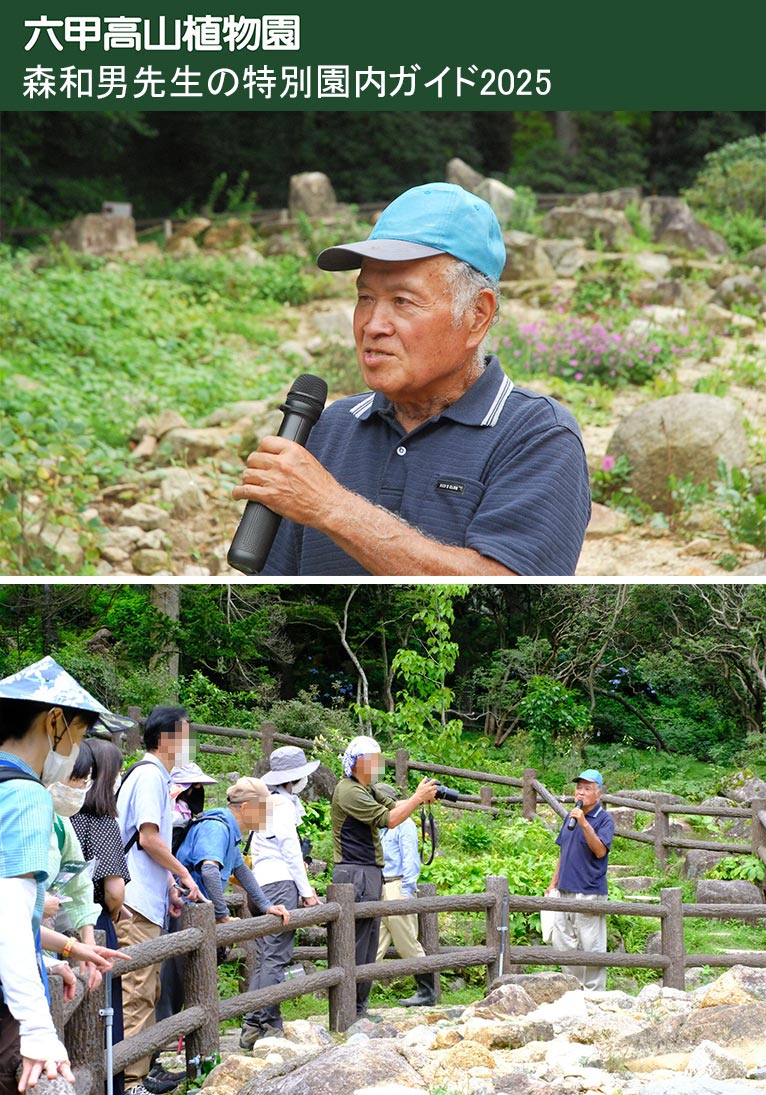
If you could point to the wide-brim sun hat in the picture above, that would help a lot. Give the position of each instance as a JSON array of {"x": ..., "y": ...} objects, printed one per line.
[
  {"x": 48, "y": 682},
  {"x": 184, "y": 775},
  {"x": 434, "y": 219},
  {"x": 288, "y": 765}
]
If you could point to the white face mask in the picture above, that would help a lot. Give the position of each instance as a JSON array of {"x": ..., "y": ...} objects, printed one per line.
[
  {"x": 300, "y": 785},
  {"x": 57, "y": 768},
  {"x": 68, "y": 801}
]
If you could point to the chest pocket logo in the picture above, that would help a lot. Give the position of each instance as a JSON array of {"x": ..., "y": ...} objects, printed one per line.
[{"x": 451, "y": 486}]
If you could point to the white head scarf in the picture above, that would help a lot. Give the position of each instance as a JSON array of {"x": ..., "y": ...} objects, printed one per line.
[{"x": 358, "y": 747}]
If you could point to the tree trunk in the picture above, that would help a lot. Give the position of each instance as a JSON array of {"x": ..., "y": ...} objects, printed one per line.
[{"x": 165, "y": 599}]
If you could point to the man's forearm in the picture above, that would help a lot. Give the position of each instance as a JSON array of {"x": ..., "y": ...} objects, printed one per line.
[
  {"x": 384, "y": 544},
  {"x": 154, "y": 846}
]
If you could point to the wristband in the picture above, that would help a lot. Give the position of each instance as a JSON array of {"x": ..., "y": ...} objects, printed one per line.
[{"x": 67, "y": 948}]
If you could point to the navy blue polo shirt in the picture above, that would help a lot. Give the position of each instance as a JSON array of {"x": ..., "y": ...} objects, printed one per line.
[
  {"x": 581, "y": 871},
  {"x": 502, "y": 471}
]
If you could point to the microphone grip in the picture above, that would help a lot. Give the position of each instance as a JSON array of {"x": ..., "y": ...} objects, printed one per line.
[
  {"x": 253, "y": 539},
  {"x": 572, "y": 821}
]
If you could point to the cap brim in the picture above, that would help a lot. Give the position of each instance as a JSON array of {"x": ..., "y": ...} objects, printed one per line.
[
  {"x": 290, "y": 775},
  {"x": 113, "y": 724},
  {"x": 350, "y": 256}
]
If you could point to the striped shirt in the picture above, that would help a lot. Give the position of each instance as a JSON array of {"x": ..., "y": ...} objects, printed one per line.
[
  {"x": 502, "y": 470},
  {"x": 26, "y": 820}
]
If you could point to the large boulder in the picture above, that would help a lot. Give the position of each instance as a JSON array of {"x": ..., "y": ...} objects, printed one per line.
[
  {"x": 698, "y": 861},
  {"x": 338, "y": 1071},
  {"x": 609, "y": 227},
  {"x": 680, "y": 435},
  {"x": 462, "y": 174},
  {"x": 502, "y": 198},
  {"x": 527, "y": 259},
  {"x": 311, "y": 193},
  {"x": 543, "y": 987},
  {"x": 740, "y": 289},
  {"x": 98, "y": 234},
  {"x": 719, "y": 891},
  {"x": 682, "y": 229}
]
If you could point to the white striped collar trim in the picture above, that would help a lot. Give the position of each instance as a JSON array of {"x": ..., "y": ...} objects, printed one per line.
[
  {"x": 363, "y": 406},
  {"x": 505, "y": 389}
]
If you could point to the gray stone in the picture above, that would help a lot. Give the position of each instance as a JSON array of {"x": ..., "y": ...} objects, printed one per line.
[
  {"x": 756, "y": 257},
  {"x": 336, "y": 324},
  {"x": 609, "y": 199},
  {"x": 743, "y": 788},
  {"x": 680, "y": 435},
  {"x": 311, "y": 193},
  {"x": 605, "y": 522},
  {"x": 461, "y": 174},
  {"x": 714, "y": 1063},
  {"x": 520, "y": 1083},
  {"x": 339, "y": 1071},
  {"x": 149, "y": 561},
  {"x": 653, "y": 263},
  {"x": 192, "y": 228},
  {"x": 609, "y": 226},
  {"x": 168, "y": 420},
  {"x": 146, "y": 516},
  {"x": 697, "y": 1085},
  {"x": 738, "y": 1026},
  {"x": 97, "y": 234},
  {"x": 64, "y": 542},
  {"x": 721, "y": 321},
  {"x": 503, "y": 1001},
  {"x": 717, "y": 891},
  {"x": 636, "y": 883},
  {"x": 567, "y": 256},
  {"x": 655, "y": 210},
  {"x": 740, "y": 289},
  {"x": 247, "y": 254},
  {"x": 194, "y": 445},
  {"x": 526, "y": 258},
  {"x": 698, "y": 861},
  {"x": 180, "y": 490},
  {"x": 544, "y": 987},
  {"x": 296, "y": 351},
  {"x": 181, "y": 247},
  {"x": 502, "y": 198},
  {"x": 233, "y": 412},
  {"x": 155, "y": 539},
  {"x": 681, "y": 229}
]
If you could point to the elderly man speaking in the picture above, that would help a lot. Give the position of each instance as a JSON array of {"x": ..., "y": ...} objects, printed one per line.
[{"x": 444, "y": 467}]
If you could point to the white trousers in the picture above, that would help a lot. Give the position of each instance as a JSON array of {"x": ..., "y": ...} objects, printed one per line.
[{"x": 582, "y": 931}]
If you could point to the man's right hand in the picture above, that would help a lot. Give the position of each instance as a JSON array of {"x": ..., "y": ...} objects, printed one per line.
[
  {"x": 192, "y": 892},
  {"x": 426, "y": 790}
]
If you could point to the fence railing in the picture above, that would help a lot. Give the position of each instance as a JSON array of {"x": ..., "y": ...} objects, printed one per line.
[
  {"x": 81, "y": 1026},
  {"x": 533, "y": 793}
]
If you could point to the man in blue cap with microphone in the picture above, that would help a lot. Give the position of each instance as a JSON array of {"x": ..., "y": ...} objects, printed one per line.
[
  {"x": 584, "y": 842},
  {"x": 443, "y": 467}
]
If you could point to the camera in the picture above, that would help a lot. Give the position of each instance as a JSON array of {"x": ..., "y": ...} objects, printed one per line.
[{"x": 446, "y": 793}]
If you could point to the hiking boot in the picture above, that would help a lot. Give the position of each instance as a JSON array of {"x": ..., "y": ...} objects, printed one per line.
[
  {"x": 426, "y": 994},
  {"x": 159, "y": 1080}
]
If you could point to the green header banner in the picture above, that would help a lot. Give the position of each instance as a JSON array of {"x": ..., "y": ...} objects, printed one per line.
[{"x": 263, "y": 55}]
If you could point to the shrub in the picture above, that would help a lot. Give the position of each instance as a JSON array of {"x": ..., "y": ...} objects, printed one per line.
[{"x": 730, "y": 192}]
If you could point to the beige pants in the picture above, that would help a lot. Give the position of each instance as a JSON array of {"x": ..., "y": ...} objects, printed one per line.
[
  {"x": 140, "y": 990},
  {"x": 402, "y": 931},
  {"x": 582, "y": 931}
]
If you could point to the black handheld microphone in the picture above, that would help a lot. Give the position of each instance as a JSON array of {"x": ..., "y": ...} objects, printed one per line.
[
  {"x": 258, "y": 527},
  {"x": 573, "y": 821}
]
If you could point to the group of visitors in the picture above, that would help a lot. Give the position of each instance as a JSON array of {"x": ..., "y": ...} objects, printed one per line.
[{"x": 84, "y": 847}]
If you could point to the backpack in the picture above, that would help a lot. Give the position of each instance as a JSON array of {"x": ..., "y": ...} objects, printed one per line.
[
  {"x": 180, "y": 832},
  {"x": 10, "y": 771}
]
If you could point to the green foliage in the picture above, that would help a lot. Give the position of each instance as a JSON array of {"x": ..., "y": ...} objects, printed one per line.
[
  {"x": 641, "y": 230},
  {"x": 553, "y": 716},
  {"x": 237, "y": 198},
  {"x": 742, "y": 511},
  {"x": 730, "y": 192},
  {"x": 746, "y": 867},
  {"x": 610, "y": 485},
  {"x": 604, "y": 287},
  {"x": 524, "y": 216}
]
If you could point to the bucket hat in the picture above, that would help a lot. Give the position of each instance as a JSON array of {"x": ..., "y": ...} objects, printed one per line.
[
  {"x": 434, "y": 219},
  {"x": 47, "y": 682},
  {"x": 288, "y": 765}
]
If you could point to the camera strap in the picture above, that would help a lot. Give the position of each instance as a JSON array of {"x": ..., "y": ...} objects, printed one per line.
[{"x": 428, "y": 835}]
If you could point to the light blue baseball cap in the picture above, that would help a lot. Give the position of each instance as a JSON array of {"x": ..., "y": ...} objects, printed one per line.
[
  {"x": 434, "y": 219},
  {"x": 48, "y": 682},
  {"x": 592, "y": 775}
]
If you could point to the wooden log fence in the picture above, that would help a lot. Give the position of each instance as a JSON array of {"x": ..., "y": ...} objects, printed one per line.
[{"x": 79, "y": 1021}]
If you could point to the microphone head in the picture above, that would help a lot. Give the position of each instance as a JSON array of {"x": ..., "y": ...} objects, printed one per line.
[{"x": 308, "y": 389}]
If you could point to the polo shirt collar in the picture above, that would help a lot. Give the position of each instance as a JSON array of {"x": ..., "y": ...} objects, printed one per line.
[
  {"x": 156, "y": 760},
  {"x": 13, "y": 759},
  {"x": 481, "y": 405}
]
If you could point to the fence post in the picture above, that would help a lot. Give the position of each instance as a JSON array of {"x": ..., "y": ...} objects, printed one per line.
[
  {"x": 85, "y": 1037},
  {"x": 56, "y": 989},
  {"x": 341, "y": 952},
  {"x": 497, "y": 887},
  {"x": 132, "y": 740},
  {"x": 428, "y": 930},
  {"x": 268, "y": 730},
  {"x": 529, "y": 795},
  {"x": 661, "y": 829},
  {"x": 485, "y": 795},
  {"x": 201, "y": 982},
  {"x": 757, "y": 828},
  {"x": 672, "y": 936},
  {"x": 402, "y": 769}
]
